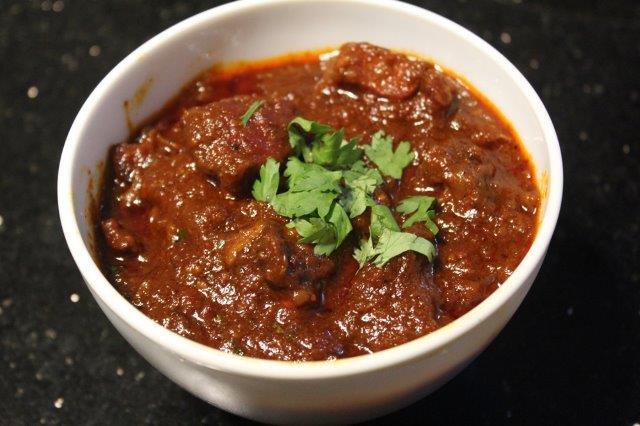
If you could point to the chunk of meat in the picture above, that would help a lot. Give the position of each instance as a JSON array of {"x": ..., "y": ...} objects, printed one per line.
[
  {"x": 261, "y": 248},
  {"x": 270, "y": 250},
  {"x": 483, "y": 130},
  {"x": 441, "y": 90},
  {"x": 459, "y": 171},
  {"x": 305, "y": 266},
  {"x": 128, "y": 157},
  {"x": 438, "y": 98},
  {"x": 229, "y": 151},
  {"x": 117, "y": 237},
  {"x": 376, "y": 69},
  {"x": 390, "y": 305}
]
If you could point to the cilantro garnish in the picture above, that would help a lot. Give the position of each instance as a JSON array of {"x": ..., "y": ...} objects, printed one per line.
[
  {"x": 328, "y": 147},
  {"x": 298, "y": 204},
  {"x": 314, "y": 230},
  {"x": 299, "y": 129},
  {"x": 391, "y": 244},
  {"x": 386, "y": 241},
  {"x": 389, "y": 162},
  {"x": 265, "y": 188},
  {"x": 381, "y": 219},
  {"x": 327, "y": 234},
  {"x": 423, "y": 209},
  {"x": 311, "y": 177},
  {"x": 362, "y": 182},
  {"x": 250, "y": 111},
  {"x": 327, "y": 184}
]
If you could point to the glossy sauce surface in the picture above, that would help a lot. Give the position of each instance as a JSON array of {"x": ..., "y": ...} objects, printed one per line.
[{"x": 185, "y": 242}]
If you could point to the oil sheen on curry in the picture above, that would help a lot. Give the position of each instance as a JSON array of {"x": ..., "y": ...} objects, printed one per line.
[{"x": 317, "y": 206}]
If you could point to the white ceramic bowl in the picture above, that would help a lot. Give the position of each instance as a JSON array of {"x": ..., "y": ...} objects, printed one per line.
[{"x": 324, "y": 391}]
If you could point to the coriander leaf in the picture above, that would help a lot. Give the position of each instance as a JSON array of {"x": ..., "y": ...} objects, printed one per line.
[
  {"x": 357, "y": 169},
  {"x": 349, "y": 153},
  {"x": 423, "y": 209},
  {"x": 314, "y": 230},
  {"x": 392, "y": 244},
  {"x": 362, "y": 177},
  {"x": 311, "y": 177},
  {"x": 430, "y": 222},
  {"x": 308, "y": 126},
  {"x": 327, "y": 234},
  {"x": 327, "y": 146},
  {"x": 299, "y": 129},
  {"x": 355, "y": 201},
  {"x": 364, "y": 253},
  {"x": 416, "y": 202},
  {"x": 298, "y": 204},
  {"x": 250, "y": 111},
  {"x": 381, "y": 153},
  {"x": 266, "y": 186},
  {"x": 361, "y": 182},
  {"x": 381, "y": 219},
  {"x": 332, "y": 150},
  {"x": 389, "y": 241},
  {"x": 324, "y": 249},
  {"x": 339, "y": 219}
]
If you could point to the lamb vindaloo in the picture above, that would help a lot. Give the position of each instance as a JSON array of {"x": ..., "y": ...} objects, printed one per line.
[{"x": 193, "y": 234}]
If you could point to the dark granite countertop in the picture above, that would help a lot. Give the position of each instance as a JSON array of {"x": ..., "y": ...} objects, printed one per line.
[{"x": 571, "y": 354}]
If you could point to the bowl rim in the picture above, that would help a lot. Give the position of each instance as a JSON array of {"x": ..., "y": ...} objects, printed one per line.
[{"x": 205, "y": 356}]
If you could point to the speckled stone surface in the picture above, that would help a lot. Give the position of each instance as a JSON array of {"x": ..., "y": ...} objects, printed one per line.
[{"x": 571, "y": 354}]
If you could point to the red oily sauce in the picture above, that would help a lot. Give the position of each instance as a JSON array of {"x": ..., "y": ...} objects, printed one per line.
[{"x": 183, "y": 239}]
